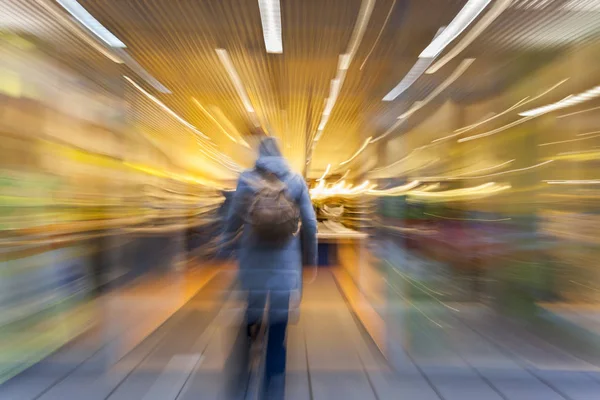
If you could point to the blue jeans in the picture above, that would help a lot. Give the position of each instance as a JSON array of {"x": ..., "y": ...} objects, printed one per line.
[
  {"x": 275, "y": 361},
  {"x": 276, "y": 352}
]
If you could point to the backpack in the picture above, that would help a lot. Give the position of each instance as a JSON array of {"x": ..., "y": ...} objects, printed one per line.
[{"x": 272, "y": 213}]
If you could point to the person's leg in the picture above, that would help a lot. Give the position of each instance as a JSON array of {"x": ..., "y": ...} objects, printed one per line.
[
  {"x": 275, "y": 361},
  {"x": 238, "y": 363},
  {"x": 257, "y": 301},
  {"x": 276, "y": 347}
]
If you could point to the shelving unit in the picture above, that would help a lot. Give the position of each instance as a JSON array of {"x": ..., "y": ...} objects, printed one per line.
[{"x": 79, "y": 204}]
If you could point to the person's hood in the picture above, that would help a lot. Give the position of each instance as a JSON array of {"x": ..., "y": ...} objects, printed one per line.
[{"x": 270, "y": 158}]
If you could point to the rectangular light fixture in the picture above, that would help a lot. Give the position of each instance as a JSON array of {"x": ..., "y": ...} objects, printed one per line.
[
  {"x": 235, "y": 78},
  {"x": 334, "y": 91},
  {"x": 497, "y": 8},
  {"x": 344, "y": 62},
  {"x": 270, "y": 15},
  {"x": 417, "y": 105},
  {"x": 324, "y": 120},
  {"x": 462, "y": 20},
  {"x": 411, "y": 77},
  {"x": 91, "y": 23}
]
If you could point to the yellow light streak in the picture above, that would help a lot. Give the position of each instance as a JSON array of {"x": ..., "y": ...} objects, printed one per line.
[
  {"x": 379, "y": 35},
  {"x": 325, "y": 173},
  {"x": 513, "y": 170},
  {"x": 574, "y": 182},
  {"x": 469, "y": 219},
  {"x": 475, "y": 125},
  {"x": 587, "y": 133},
  {"x": 396, "y": 190},
  {"x": 481, "y": 190},
  {"x": 497, "y": 130},
  {"x": 551, "y": 88},
  {"x": 462, "y": 67},
  {"x": 345, "y": 59},
  {"x": 568, "y": 141},
  {"x": 417, "y": 105},
  {"x": 512, "y": 124},
  {"x": 235, "y": 79},
  {"x": 322, "y": 191},
  {"x": 464, "y": 174},
  {"x": 167, "y": 109},
  {"x": 578, "y": 112},
  {"x": 209, "y": 115},
  {"x": 344, "y": 176},
  {"x": 364, "y": 146},
  {"x": 568, "y": 101}
]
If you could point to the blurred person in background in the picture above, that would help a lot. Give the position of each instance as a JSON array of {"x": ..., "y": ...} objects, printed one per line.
[{"x": 273, "y": 208}]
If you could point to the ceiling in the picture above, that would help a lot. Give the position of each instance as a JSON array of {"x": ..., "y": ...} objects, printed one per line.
[{"x": 171, "y": 48}]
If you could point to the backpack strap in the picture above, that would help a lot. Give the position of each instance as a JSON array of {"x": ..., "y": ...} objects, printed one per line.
[{"x": 257, "y": 183}]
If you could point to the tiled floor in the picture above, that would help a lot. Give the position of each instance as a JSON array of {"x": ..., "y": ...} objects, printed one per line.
[
  {"x": 170, "y": 339},
  {"x": 128, "y": 322}
]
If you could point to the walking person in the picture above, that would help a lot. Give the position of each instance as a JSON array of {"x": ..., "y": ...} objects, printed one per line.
[{"x": 273, "y": 209}]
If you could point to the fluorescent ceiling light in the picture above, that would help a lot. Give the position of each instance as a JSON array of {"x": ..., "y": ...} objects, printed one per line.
[
  {"x": 235, "y": 78},
  {"x": 462, "y": 20},
  {"x": 321, "y": 127},
  {"x": 497, "y": 9},
  {"x": 364, "y": 15},
  {"x": 568, "y": 101},
  {"x": 417, "y": 105},
  {"x": 78, "y": 30},
  {"x": 81, "y": 14},
  {"x": 333, "y": 95},
  {"x": 462, "y": 67},
  {"x": 270, "y": 16},
  {"x": 344, "y": 62},
  {"x": 318, "y": 136},
  {"x": 411, "y": 77}
]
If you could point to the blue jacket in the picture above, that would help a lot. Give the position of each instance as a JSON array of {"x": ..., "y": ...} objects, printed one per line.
[{"x": 266, "y": 270}]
